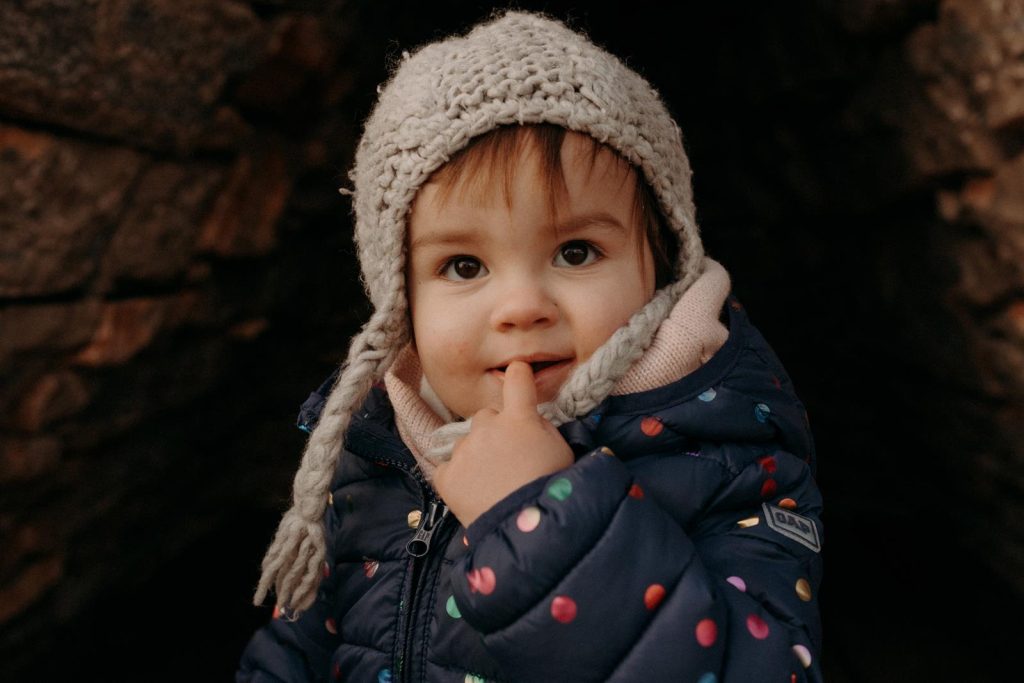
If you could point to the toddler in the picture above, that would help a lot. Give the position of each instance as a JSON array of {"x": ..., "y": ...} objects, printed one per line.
[{"x": 558, "y": 450}]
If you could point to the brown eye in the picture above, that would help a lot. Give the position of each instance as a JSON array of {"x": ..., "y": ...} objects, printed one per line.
[
  {"x": 463, "y": 268},
  {"x": 576, "y": 254}
]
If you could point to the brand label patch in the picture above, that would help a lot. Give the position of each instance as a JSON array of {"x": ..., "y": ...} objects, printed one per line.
[{"x": 794, "y": 526}]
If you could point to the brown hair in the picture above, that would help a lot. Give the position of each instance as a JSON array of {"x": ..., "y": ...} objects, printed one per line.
[{"x": 495, "y": 155}]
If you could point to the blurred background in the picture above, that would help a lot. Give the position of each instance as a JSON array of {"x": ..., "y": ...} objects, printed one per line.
[{"x": 177, "y": 274}]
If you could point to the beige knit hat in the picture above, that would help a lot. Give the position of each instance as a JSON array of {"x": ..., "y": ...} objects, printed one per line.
[{"x": 518, "y": 68}]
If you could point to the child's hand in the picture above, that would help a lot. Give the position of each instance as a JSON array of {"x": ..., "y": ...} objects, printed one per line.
[{"x": 502, "y": 452}]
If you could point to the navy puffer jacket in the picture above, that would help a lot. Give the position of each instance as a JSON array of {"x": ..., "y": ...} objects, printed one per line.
[{"x": 683, "y": 545}]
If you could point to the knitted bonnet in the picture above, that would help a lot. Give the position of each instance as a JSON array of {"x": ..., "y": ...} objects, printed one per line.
[{"x": 518, "y": 68}]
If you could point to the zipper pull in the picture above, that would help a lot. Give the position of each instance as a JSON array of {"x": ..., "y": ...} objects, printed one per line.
[{"x": 420, "y": 543}]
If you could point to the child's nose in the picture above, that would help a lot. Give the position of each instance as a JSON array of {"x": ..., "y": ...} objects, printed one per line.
[{"x": 524, "y": 306}]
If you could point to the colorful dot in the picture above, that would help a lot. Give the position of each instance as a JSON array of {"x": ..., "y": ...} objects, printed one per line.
[
  {"x": 528, "y": 519},
  {"x": 370, "y": 568},
  {"x": 330, "y": 499},
  {"x": 707, "y": 632},
  {"x": 336, "y": 671},
  {"x": 792, "y": 678},
  {"x": 278, "y": 612},
  {"x": 636, "y": 492},
  {"x": 768, "y": 488},
  {"x": 452, "y": 608},
  {"x": 384, "y": 676},
  {"x": 708, "y": 396},
  {"x": 563, "y": 609},
  {"x": 740, "y": 584},
  {"x": 761, "y": 412},
  {"x": 482, "y": 580},
  {"x": 708, "y": 678},
  {"x": 803, "y": 654},
  {"x": 560, "y": 489},
  {"x": 803, "y": 590},
  {"x": 757, "y": 627},
  {"x": 607, "y": 451},
  {"x": 471, "y": 678},
  {"x": 327, "y": 570},
  {"x": 767, "y": 463},
  {"x": 413, "y": 518},
  {"x": 653, "y": 596},
  {"x": 465, "y": 540},
  {"x": 331, "y": 626},
  {"x": 651, "y": 426},
  {"x": 748, "y": 522},
  {"x": 787, "y": 503}
]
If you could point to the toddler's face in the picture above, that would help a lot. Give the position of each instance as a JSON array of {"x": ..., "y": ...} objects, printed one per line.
[{"x": 492, "y": 281}]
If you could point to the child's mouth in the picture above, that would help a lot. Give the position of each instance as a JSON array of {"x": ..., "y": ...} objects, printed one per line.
[{"x": 537, "y": 365}]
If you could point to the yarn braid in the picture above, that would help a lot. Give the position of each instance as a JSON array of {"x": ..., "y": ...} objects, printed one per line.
[{"x": 295, "y": 558}]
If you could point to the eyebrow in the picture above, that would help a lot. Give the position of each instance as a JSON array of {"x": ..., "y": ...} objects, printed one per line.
[
  {"x": 584, "y": 220},
  {"x": 574, "y": 224}
]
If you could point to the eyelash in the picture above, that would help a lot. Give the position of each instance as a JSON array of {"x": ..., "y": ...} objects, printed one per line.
[{"x": 594, "y": 253}]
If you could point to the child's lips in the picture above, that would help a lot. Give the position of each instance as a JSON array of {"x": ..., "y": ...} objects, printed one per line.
[{"x": 544, "y": 371}]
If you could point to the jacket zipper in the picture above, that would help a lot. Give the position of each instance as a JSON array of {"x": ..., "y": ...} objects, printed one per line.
[{"x": 418, "y": 548}]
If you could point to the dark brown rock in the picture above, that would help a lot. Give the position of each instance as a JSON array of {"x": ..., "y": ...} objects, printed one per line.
[
  {"x": 146, "y": 71},
  {"x": 155, "y": 237},
  {"x": 57, "y": 210},
  {"x": 243, "y": 222},
  {"x": 54, "y": 396},
  {"x": 46, "y": 328},
  {"x": 25, "y": 459}
]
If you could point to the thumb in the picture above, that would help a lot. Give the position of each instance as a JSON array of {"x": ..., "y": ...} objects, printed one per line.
[{"x": 519, "y": 392}]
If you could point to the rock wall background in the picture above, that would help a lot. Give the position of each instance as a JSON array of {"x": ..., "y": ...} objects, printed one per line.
[{"x": 176, "y": 275}]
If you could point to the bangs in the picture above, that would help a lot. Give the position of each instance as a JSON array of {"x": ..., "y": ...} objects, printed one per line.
[{"x": 490, "y": 163}]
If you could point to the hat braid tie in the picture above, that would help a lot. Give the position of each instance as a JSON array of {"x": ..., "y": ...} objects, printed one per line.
[{"x": 294, "y": 560}]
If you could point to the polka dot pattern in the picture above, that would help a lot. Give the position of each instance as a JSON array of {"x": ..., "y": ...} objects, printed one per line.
[
  {"x": 803, "y": 590},
  {"x": 370, "y": 568},
  {"x": 607, "y": 451},
  {"x": 653, "y": 596},
  {"x": 452, "y": 608},
  {"x": 472, "y": 678},
  {"x": 802, "y": 654},
  {"x": 651, "y": 426},
  {"x": 482, "y": 580},
  {"x": 413, "y": 518},
  {"x": 768, "y": 488},
  {"x": 768, "y": 463},
  {"x": 331, "y": 626},
  {"x": 706, "y": 632},
  {"x": 708, "y": 396},
  {"x": 384, "y": 676},
  {"x": 709, "y": 677},
  {"x": 528, "y": 519},
  {"x": 636, "y": 492},
  {"x": 757, "y": 627},
  {"x": 563, "y": 609},
  {"x": 787, "y": 503},
  {"x": 560, "y": 489},
  {"x": 327, "y": 570},
  {"x": 762, "y": 412},
  {"x": 739, "y": 583}
]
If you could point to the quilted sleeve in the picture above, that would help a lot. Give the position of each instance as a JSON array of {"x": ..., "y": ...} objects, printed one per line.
[
  {"x": 286, "y": 651},
  {"x": 583, "y": 576}
]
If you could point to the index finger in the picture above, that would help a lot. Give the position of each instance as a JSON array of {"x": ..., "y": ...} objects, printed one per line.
[{"x": 519, "y": 392}]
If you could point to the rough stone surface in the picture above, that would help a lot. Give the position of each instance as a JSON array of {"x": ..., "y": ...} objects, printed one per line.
[
  {"x": 57, "y": 210},
  {"x": 147, "y": 72}
]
